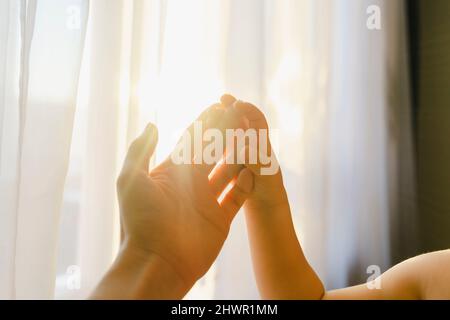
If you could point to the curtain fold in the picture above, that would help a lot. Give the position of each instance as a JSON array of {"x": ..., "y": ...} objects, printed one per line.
[
  {"x": 122, "y": 59},
  {"x": 108, "y": 45},
  {"x": 9, "y": 129},
  {"x": 47, "y": 89}
]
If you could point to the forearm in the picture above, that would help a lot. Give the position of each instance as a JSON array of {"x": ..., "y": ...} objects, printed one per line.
[
  {"x": 423, "y": 277},
  {"x": 395, "y": 284},
  {"x": 138, "y": 275},
  {"x": 281, "y": 269}
]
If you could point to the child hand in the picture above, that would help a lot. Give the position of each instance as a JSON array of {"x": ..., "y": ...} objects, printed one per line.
[
  {"x": 281, "y": 269},
  {"x": 269, "y": 192}
]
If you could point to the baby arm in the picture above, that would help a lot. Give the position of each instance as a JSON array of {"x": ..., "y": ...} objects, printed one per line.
[
  {"x": 283, "y": 272},
  {"x": 281, "y": 269},
  {"x": 423, "y": 277}
]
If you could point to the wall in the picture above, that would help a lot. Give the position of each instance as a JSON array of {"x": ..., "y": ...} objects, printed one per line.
[{"x": 433, "y": 123}]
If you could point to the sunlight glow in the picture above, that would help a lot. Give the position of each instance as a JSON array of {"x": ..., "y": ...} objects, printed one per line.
[
  {"x": 189, "y": 77},
  {"x": 285, "y": 93}
]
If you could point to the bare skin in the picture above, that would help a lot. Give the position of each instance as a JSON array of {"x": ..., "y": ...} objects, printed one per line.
[
  {"x": 282, "y": 271},
  {"x": 421, "y": 278},
  {"x": 173, "y": 226}
]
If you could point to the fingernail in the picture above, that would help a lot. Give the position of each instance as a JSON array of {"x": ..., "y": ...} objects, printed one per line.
[{"x": 148, "y": 129}]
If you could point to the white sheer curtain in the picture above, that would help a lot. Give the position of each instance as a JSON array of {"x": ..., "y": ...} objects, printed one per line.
[
  {"x": 40, "y": 56},
  {"x": 328, "y": 84}
]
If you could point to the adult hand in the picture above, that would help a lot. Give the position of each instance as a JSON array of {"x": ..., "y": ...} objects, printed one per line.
[{"x": 172, "y": 213}]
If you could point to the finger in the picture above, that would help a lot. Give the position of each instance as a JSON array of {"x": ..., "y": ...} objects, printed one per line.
[
  {"x": 220, "y": 120},
  {"x": 222, "y": 175},
  {"x": 260, "y": 160},
  {"x": 253, "y": 166},
  {"x": 206, "y": 118},
  {"x": 262, "y": 152},
  {"x": 241, "y": 190},
  {"x": 253, "y": 114},
  {"x": 229, "y": 118},
  {"x": 227, "y": 100},
  {"x": 141, "y": 150}
]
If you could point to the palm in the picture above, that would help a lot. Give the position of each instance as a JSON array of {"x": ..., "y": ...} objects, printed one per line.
[
  {"x": 171, "y": 205},
  {"x": 173, "y": 211}
]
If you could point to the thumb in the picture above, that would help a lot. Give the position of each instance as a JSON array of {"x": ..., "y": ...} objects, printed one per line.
[
  {"x": 142, "y": 149},
  {"x": 241, "y": 190}
]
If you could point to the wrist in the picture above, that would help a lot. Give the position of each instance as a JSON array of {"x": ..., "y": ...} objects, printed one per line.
[
  {"x": 159, "y": 279},
  {"x": 269, "y": 195},
  {"x": 138, "y": 274}
]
